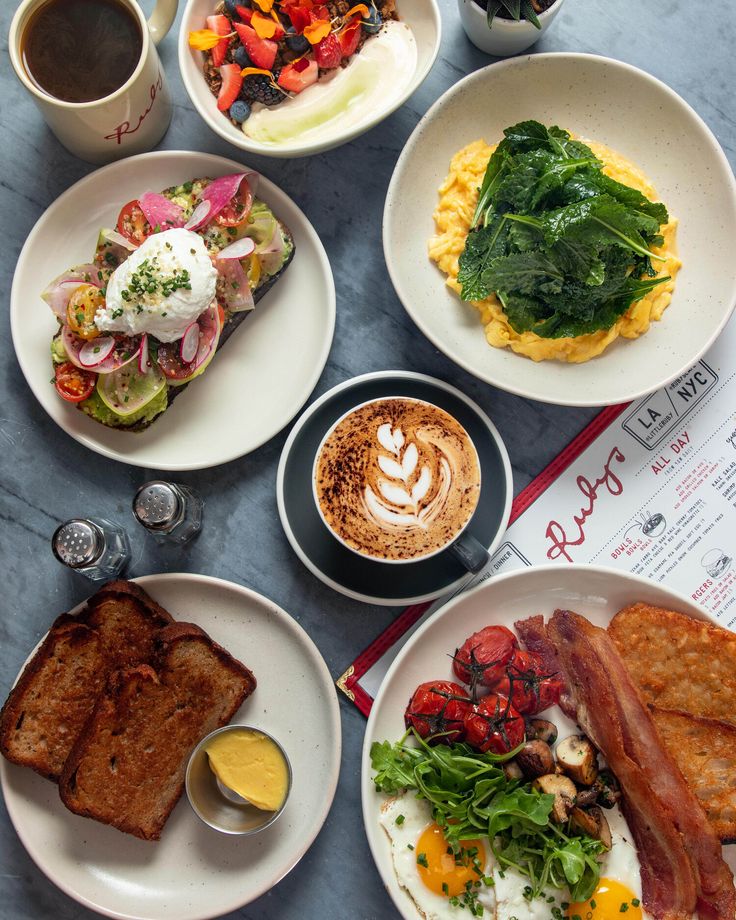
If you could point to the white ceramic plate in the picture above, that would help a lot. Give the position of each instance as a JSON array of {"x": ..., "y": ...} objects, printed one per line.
[
  {"x": 194, "y": 872},
  {"x": 254, "y": 386},
  {"x": 422, "y": 16},
  {"x": 592, "y": 591},
  {"x": 636, "y": 115}
]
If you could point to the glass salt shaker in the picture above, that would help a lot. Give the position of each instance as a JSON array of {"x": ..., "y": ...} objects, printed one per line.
[
  {"x": 94, "y": 547},
  {"x": 170, "y": 512}
]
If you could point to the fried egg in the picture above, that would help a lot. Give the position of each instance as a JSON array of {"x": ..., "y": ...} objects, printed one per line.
[{"x": 425, "y": 869}]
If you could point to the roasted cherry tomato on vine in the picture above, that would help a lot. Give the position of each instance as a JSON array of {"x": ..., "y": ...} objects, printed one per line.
[
  {"x": 72, "y": 383},
  {"x": 438, "y": 707},
  {"x": 132, "y": 223},
  {"x": 85, "y": 301},
  {"x": 483, "y": 656},
  {"x": 494, "y": 725},
  {"x": 237, "y": 210},
  {"x": 527, "y": 684}
]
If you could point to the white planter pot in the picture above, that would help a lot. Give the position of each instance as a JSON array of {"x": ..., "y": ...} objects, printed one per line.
[{"x": 506, "y": 37}]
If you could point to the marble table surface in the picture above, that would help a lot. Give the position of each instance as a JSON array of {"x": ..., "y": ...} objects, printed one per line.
[{"x": 48, "y": 477}]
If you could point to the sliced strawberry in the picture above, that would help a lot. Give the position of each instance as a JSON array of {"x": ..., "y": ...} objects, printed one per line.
[
  {"x": 221, "y": 25},
  {"x": 245, "y": 14},
  {"x": 262, "y": 51},
  {"x": 328, "y": 52},
  {"x": 294, "y": 78},
  {"x": 349, "y": 39},
  {"x": 231, "y": 84}
]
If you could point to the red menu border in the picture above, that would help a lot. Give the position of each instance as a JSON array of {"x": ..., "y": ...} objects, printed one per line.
[{"x": 349, "y": 682}]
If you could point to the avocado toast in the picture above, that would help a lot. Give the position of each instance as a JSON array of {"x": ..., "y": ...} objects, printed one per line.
[{"x": 166, "y": 289}]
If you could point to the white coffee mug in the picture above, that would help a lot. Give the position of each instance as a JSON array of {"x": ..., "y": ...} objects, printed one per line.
[{"x": 131, "y": 120}]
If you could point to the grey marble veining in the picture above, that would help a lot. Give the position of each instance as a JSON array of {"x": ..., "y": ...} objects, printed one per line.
[{"x": 47, "y": 476}]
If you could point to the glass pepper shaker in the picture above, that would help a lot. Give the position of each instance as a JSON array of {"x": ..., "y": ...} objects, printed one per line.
[
  {"x": 171, "y": 512},
  {"x": 94, "y": 547}
]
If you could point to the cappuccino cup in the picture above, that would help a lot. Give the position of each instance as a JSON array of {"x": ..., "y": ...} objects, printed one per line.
[
  {"x": 94, "y": 72},
  {"x": 397, "y": 480}
]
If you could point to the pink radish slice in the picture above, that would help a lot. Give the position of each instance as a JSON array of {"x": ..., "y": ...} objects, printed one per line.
[
  {"x": 59, "y": 291},
  {"x": 73, "y": 344},
  {"x": 169, "y": 358},
  {"x": 238, "y": 250},
  {"x": 95, "y": 351},
  {"x": 144, "y": 365},
  {"x": 189, "y": 343},
  {"x": 125, "y": 350},
  {"x": 233, "y": 287},
  {"x": 220, "y": 192},
  {"x": 272, "y": 254},
  {"x": 160, "y": 211},
  {"x": 200, "y": 216}
]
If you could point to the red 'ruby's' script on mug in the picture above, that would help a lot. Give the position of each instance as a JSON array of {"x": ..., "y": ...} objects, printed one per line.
[
  {"x": 556, "y": 532},
  {"x": 125, "y": 127}
]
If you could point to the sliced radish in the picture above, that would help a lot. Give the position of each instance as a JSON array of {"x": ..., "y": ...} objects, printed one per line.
[
  {"x": 220, "y": 192},
  {"x": 95, "y": 351},
  {"x": 160, "y": 211},
  {"x": 233, "y": 286},
  {"x": 272, "y": 254},
  {"x": 169, "y": 358},
  {"x": 125, "y": 350},
  {"x": 189, "y": 343},
  {"x": 144, "y": 363},
  {"x": 200, "y": 216},
  {"x": 238, "y": 250},
  {"x": 59, "y": 291}
]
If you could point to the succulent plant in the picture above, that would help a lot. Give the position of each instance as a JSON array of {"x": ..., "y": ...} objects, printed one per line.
[{"x": 516, "y": 10}]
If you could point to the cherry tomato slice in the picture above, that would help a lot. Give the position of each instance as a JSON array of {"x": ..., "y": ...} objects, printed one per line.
[
  {"x": 238, "y": 209},
  {"x": 84, "y": 303},
  {"x": 72, "y": 383},
  {"x": 483, "y": 656},
  {"x": 132, "y": 223}
]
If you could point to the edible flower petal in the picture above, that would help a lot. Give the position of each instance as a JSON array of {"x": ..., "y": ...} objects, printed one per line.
[
  {"x": 264, "y": 5},
  {"x": 300, "y": 64},
  {"x": 359, "y": 8},
  {"x": 264, "y": 26},
  {"x": 249, "y": 71},
  {"x": 203, "y": 39},
  {"x": 316, "y": 31}
]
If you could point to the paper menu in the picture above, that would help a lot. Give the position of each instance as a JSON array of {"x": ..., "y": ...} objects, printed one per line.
[{"x": 650, "y": 488}]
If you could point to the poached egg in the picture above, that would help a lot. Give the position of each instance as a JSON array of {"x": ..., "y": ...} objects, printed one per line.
[{"x": 161, "y": 288}]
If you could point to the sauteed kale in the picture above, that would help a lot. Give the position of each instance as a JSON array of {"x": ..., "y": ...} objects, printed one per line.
[{"x": 565, "y": 248}]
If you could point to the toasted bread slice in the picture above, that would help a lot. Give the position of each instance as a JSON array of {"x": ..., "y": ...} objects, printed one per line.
[
  {"x": 127, "y": 767},
  {"x": 705, "y": 752},
  {"x": 677, "y": 662},
  {"x": 59, "y": 686}
]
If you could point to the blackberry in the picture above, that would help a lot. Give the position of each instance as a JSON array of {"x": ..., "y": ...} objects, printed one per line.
[{"x": 257, "y": 87}]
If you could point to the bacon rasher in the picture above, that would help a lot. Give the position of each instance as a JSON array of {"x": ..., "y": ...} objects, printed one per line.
[{"x": 682, "y": 866}]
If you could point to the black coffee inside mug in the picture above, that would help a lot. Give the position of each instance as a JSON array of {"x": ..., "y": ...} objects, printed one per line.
[{"x": 81, "y": 50}]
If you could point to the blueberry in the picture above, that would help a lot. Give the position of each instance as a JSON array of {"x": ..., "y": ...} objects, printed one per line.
[
  {"x": 297, "y": 43},
  {"x": 230, "y": 7},
  {"x": 240, "y": 56},
  {"x": 239, "y": 111},
  {"x": 373, "y": 23}
]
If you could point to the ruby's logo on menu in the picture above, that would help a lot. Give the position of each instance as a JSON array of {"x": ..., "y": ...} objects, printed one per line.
[
  {"x": 126, "y": 127},
  {"x": 609, "y": 482}
]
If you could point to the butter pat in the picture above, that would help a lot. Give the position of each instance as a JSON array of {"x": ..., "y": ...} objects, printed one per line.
[{"x": 251, "y": 764}]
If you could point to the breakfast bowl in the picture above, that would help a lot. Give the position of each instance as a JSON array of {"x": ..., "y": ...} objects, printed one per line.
[
  {"x": 317, "y": 126},
  {"x": 598, "y": 100},
  {"x": 210, "y": 793}
]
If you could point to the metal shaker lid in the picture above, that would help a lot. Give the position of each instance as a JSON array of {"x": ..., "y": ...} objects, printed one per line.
[
  {"x": 157, "y": 505},
  {"x": 78, "y": 543}
]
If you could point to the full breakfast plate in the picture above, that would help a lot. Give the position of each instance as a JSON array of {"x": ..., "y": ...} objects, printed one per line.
[
  {"x": 193, "y": 872},
  {"x": 399, "y": 825},
  {"x": 207, "y": 426},
  {"x": 575, "y": 243}
]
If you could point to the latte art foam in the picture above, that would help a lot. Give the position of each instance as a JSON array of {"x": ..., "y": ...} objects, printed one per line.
[{"x": 397, "y": 479}]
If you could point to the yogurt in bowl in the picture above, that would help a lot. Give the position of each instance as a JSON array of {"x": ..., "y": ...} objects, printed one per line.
[{"x": 343, "y": 103}]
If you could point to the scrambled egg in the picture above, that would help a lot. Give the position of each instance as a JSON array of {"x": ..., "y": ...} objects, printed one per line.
[{"x": 458, "y": 197}]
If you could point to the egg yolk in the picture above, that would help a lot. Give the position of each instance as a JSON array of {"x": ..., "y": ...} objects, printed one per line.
[
  {"x": 610, "y": 900},
  {"x": 443, "y": 872}
]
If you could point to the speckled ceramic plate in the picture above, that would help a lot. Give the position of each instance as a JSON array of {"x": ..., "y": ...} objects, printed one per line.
[
  {"x": 629, "y": 111},
  {"x": 194, "y": 872},
  {"x": 246, "y": 395},
  {"x": 593, "y": 591},
  {"x": 339, "y": 567}
]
